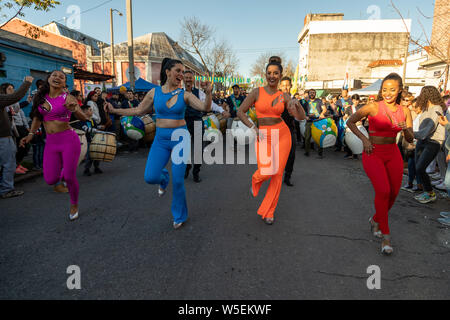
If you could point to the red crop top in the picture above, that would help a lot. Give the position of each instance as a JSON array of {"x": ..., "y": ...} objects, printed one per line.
[
  {"x": 382, "y": 126},
  {"x": 57, "y": 112},
  {"x": 263, "y": 105}
]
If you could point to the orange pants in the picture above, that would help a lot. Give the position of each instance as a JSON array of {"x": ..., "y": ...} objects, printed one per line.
[{"x": 272, "y": 153}]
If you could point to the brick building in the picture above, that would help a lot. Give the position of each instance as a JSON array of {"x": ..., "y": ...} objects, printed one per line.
[
  {"x": 437, "y": 65},
  {"x": 55, "y": 34}
]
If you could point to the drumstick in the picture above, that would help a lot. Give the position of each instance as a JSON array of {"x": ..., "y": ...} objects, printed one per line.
[{"x": 74, "y": 121}]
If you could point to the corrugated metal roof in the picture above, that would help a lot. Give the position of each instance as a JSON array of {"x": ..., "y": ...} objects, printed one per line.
[
  {"x": 155, "y": 45},
  {"x": 74, "y": 35}
]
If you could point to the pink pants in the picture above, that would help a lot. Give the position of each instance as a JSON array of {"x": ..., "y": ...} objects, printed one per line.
[
  {"x": 61, "y": 153},
  {"x": 384, "y": 167}
]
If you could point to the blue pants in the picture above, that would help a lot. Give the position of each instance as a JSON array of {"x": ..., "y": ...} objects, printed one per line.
[
  {"x": 447, "y": 179},
  {"x": 178, "y": 149},
  {"x": 7, "y": 164},
  {"x": 38, "y": 155},
  {"x": 412, "y": 170}
]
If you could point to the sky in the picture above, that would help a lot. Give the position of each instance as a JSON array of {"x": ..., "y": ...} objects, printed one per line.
[{"x": 251, "y": 27}]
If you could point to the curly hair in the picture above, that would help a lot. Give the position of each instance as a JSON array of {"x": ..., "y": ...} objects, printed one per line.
[
  {"x": 39, "y": 98},
  {"x": 429, "y": 94},
  {"x": 396, "y": 77}
]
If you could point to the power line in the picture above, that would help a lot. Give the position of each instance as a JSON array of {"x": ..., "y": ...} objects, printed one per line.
[
  {"x": 252, "y": 50},
  {"x": 88, "y": 10}
]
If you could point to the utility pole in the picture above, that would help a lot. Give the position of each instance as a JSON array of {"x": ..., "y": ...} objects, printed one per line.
[
  {"x": 101, "y": 45},
  {"x": 130, "y": 43},
  {"x": 113, "y": 63},
  {"x": 406, "y": 61}
]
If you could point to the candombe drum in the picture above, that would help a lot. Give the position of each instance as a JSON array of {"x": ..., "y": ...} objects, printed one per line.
[
  {"x": 353, "y": 142},
  {"x": 133, "y": 127},
  {"x": 211, "y": 123},
  {"x": 324, "y": 132},
  {"x": 252, "y": 115},
  {"x": 150, "y": 128},
  {"x": 84, "y": 144},
  {"x": 243, "y": 134},
  {"x": 103, "y": 147}
]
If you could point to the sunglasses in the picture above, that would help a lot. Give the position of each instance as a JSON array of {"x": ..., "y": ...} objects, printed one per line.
[{"x": 407, "y": 100}]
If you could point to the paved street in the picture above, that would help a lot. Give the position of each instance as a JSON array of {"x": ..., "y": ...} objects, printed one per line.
[{"x": 319, "y": 247}]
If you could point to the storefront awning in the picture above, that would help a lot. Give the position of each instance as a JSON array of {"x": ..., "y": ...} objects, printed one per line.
[{"x": 80, "y": 74}]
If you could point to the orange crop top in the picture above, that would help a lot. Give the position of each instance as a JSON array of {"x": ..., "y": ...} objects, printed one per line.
[{"x": 263, "y": 105}]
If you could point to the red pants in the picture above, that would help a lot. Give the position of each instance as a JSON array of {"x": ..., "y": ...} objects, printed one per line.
[
  {"x": 272, "y": 153},
  {"x": 384, "y": 167}
]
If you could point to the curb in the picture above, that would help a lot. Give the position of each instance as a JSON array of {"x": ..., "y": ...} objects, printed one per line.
[{"x": 18, "y": 179}]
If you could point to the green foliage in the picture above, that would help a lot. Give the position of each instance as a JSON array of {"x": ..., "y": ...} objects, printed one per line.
[
  {"x": 39, "y": 5},
  {"x": 20, "y": 5}
]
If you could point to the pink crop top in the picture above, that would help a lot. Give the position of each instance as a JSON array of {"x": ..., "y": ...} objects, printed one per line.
[
  {"x": 58, "y": 112},
  {"x": 382, "y": 126}
]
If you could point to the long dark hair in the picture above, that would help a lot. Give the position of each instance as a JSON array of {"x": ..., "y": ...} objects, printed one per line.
[
  {"x": 431, "y": 94},
  {"x": 39, "y": 97},
  {"x": 396, "y": 77},
  {"x": 5, "y": 86},
  {"x": 167, "y": 64}
]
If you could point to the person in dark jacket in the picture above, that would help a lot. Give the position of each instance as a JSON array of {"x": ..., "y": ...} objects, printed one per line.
[{"x": 7, "y": 144}]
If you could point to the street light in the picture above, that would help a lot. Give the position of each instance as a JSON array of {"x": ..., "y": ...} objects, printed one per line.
[{"x": 113, "y": 64}]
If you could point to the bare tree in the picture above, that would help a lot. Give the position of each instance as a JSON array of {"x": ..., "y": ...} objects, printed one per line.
[
  {"x": 438, "y": 48},
  {"x": 196, "y": 38},
  {"x": 259, "y": 66},
  {"x": 221, "y": 59}
]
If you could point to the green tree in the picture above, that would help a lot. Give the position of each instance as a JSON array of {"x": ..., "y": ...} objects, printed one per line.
[{"x": 18, "y": 6}]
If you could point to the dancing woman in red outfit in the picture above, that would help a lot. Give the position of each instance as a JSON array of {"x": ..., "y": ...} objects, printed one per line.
[{"x": 382, "y": 160}]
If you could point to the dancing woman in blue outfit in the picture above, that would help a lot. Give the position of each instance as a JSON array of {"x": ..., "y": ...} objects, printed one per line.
[{"x": 169, "y": 102}]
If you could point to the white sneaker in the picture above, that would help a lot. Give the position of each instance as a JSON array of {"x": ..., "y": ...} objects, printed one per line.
[
  {"x": 73, "y": 217},
  {"x": 161, "y": 192},
  {"x": 435, "y": 176},
  {"x": 437, "y": 182},
  {"x": 441, "y": 186}
]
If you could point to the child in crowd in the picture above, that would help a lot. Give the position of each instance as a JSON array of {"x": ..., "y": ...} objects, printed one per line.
[
  {"x": 90, "y": 127},
  {"x": 38, "y": 144}
]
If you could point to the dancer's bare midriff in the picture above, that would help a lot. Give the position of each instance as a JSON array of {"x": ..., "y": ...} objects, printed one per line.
[
  {"x": 269, "y": 121},
  {"x": 382, "y": 140},
  {"x": 170, "y": 123}
]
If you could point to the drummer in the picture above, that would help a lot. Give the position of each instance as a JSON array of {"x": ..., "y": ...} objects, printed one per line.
[
  {"x": 349, "y": 111},
  {"x": 90, "y": 127},
  {"x": 234, "y": 102},
  {"x": 315, "y": 111},
  {"x": 193, "y": 115},
  {"x": 342, "y": 103}
]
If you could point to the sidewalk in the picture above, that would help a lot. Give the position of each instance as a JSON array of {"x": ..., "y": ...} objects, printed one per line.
[{"x": 28, "y": 163}]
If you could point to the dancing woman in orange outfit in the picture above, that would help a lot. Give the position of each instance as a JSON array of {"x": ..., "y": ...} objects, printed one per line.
[{"x": 273, "y": 143}]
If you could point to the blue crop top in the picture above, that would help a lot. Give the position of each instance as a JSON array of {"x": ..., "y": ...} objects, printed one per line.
[{"x": 176, "y": 112}]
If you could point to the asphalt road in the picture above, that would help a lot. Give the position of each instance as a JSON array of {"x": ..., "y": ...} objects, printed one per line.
[{"x": 319, "y": 247}]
